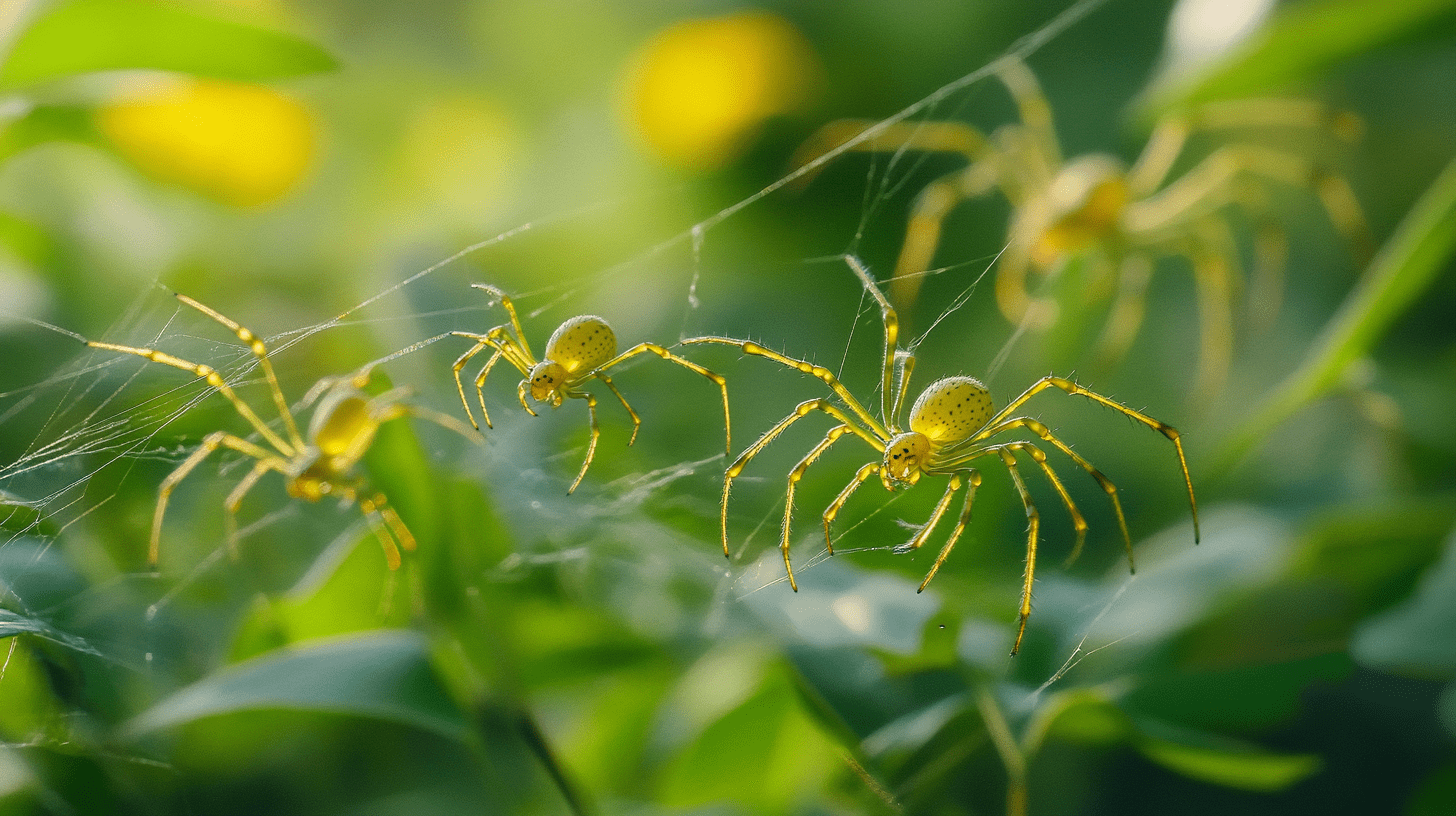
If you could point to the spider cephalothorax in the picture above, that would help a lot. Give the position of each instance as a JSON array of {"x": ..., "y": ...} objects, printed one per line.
[
  {"x": 951, "y": 424},
  {"x": 581, "y": 349}
]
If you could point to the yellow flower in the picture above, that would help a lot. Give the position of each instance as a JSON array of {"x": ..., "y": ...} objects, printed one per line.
[
  {"x": 698, "y": 90},
  {"x": 245, "y": 145}
]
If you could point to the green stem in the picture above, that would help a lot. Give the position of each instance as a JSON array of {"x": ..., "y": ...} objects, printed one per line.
[{"x": 1011, "y": 753}]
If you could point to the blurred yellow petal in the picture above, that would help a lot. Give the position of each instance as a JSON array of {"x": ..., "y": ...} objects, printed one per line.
[
  {"x": 245, "y": 145},
  {"x": 698, "y": 90}
]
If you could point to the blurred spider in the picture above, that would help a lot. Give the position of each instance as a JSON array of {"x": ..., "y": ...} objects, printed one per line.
[
  {"x": 580, "y": 349},
  {"x": 952, "y": 424},
  {"x": 340, "y": 432},
  {"x": 1116, "y": 219}
]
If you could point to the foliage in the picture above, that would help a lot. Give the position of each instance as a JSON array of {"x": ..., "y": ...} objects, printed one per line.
[{"x": 594, "y": 653}]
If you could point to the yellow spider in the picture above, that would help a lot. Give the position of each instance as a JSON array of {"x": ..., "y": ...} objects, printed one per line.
[
  {"x": 1117, "y": 219},
  {"x": 580, "y": 349},
  {"x": 952, "y": 424},
  {"x": 321, "y": 464}
]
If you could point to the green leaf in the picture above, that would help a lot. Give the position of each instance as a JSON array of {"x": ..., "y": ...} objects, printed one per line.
[
  {"x": 765, "y": 754},
  {"x": 1415, "y": 636},
  {"x": 1406, "y": 266},
  {"x": 1230, "y": 764},
  {"x": 1305, "y": 41},
  {"x": 12, "y": 624},
  {"x": 103, "y": 35},
  {"x": 385, "y": 676}
]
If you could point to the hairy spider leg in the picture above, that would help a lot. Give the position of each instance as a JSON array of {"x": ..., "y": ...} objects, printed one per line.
[
  {"x": 505, "y": 302},
  {"x": 875, "y": 439},
  {"x": 631, "y": 414},
  {"x": 973, "y": 481},
  {"x": 834, "y": 435},
  {"x": 855, "y": 406},
  {"x": 918, "y": 540},
  {"x": 860, "y": 477},
  {"x": 591, "y": 445},
  {"x": 888, "y": 405},
  {"x": 1033, "y": 527},
  {"x": 717, "y": 379},
  {"x": 993, "y": 426},
  {"x": 480, "y": 345},
  {"x": 1102, "y": 481}
]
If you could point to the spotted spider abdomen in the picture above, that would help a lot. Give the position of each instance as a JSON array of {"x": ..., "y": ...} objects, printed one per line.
[
  {"x": 951, "y": 409},
  {"x": 582, "y": 344}
]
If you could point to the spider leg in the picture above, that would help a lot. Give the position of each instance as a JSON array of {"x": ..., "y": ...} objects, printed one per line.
[
  {"x": 1212, "y": 183},
  {"x": 922, "y": 234},
  {"x": 892, "y": 338},
  {"x": 749, "y": 347},
  {"x": 1214, "y": 266},
  {"x": 1266, "y": 284},
  {"x": 997, "y": 423},
  {"x": 521, "y": 388},
  {"x": 387, "y": 527},
  {"x": 1171, "y": 133},
  {"x": 1035, "y": 113},
  {"x": 591, "y": 445},
  {"x": 1079, "y": 524},
  {"x": 795, "y": 475},
  {"x": 1033, "y": 521},
  {"x": 212, "y": 378},
  {"x": 505, "y": 302},
  {"x": 480, "y": 345},
  {"x": 926, "y": 529},
  {"x": 873, "y": 136},
  {"x": 1128, "y": 307},
  {"x": 480, "y": 386},
  {"x": 717, "y": 379},
  {"x": 636, "y": 420},
  {"x": 210, "y": 443},
  {"x": 860, "y": 477},
  {"x": 260, "y": 351},
  {"x": 973, "y": 481},
  {"x": 1102, "y": 481},
  {"x": 803, "y": 410},
  {"x": 235, "y": 500},
  {"x": 1012, "y": 293}
]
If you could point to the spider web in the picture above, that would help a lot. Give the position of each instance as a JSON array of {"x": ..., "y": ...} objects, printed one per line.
[{"x": 92, "y": 435}]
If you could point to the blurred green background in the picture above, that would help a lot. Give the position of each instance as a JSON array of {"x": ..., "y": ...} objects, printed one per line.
[{"x": 305, "y": 168}]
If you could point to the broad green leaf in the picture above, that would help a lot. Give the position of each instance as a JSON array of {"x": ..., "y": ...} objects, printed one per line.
[
  {"x": 103, "y": 35},
  {"x": 1303, "y": 41},
  {"x": 12, "y": 624},
  {"x": 1233, "y": 766},
  {"x": 1406, "y": 266},
  {"x": 385, "y": 676},
  {"x": 1415, "y": 636},
  {"x": 765, "y": 755}
]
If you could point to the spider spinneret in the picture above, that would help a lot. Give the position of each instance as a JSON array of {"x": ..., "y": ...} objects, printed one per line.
[
  {"x": 952, "y": 423},
  {"x": 581, "y": 349}
]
